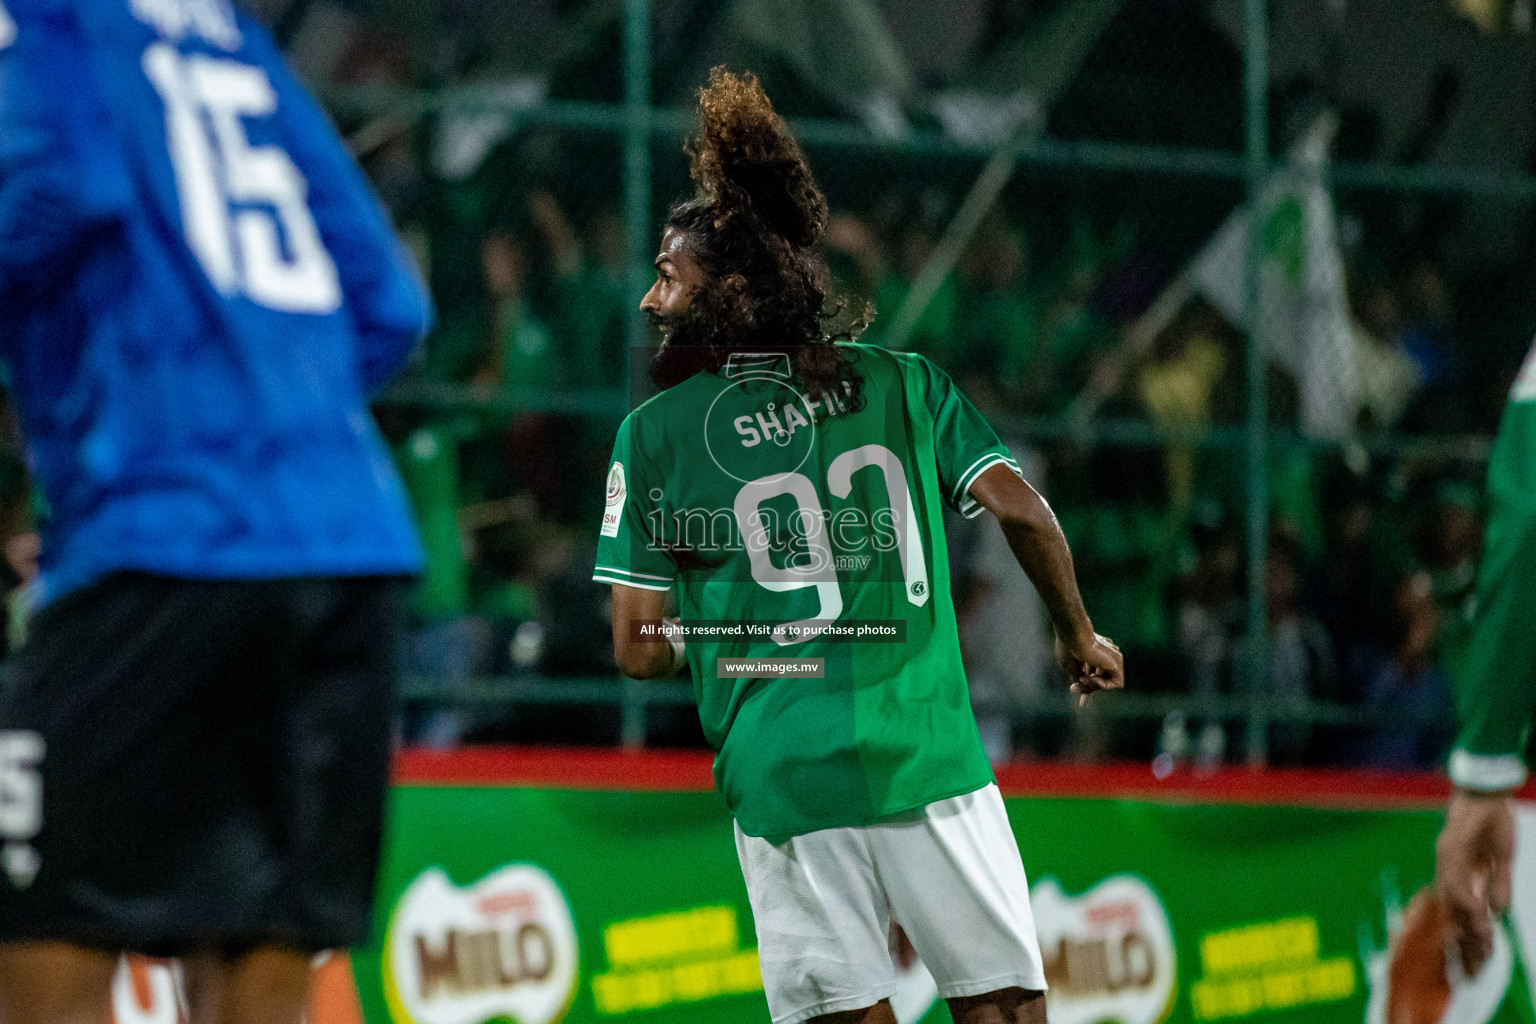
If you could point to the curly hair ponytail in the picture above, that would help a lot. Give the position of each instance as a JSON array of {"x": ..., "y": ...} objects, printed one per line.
[
  {"x": 745, "y": 162},
  {"x": 754, "y": 225}
]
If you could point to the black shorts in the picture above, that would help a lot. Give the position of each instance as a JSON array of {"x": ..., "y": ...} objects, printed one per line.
[{"x": 211, "y": 759}]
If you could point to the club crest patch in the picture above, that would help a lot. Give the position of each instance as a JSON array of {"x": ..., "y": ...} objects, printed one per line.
[{"x": 613, "y": 509}]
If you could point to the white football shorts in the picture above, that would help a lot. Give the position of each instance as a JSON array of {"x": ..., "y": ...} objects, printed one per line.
[{"x": 949, "y": 874}]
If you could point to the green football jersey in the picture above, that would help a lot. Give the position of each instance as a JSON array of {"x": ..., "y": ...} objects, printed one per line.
[
  {"x": 794, "y": 526},
  {"x": 1496, "y": 683}
]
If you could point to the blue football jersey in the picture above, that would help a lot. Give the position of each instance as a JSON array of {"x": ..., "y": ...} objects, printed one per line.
[{"x": 198, "y": 291}]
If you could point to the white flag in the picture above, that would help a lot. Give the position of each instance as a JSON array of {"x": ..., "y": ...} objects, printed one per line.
[{"x": 1302, "y": 295}]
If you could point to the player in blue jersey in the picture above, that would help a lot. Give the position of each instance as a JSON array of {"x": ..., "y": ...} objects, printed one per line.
[{"x": 197, "y": 292}]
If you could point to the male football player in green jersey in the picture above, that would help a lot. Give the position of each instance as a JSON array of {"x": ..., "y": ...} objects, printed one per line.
[
  {"x": 789, "y": 486},
  {"x": 1496, "y": 692}
]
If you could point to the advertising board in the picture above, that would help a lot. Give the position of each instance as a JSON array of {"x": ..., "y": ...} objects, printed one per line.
[{"x": 597, "y": 888}]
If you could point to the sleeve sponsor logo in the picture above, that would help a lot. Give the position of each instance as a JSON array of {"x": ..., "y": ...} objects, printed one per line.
[
  {"x": 1108, "y": 953},
  {"x": 504, "y": 947},
  {"x": 613, "y": 506}
]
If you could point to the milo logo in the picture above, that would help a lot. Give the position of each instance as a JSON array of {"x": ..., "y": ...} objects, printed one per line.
[
  {"x": 1108, "y": 953},
  {"x": 504, "y": 947}
]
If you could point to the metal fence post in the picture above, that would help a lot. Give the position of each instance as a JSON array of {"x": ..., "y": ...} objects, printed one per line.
[
  {"x": 637, "y": 166},
  {"x": 638, "y": 243},
  {"x": 1256, "y": 128},
  {"x": 632, "y": 706}
]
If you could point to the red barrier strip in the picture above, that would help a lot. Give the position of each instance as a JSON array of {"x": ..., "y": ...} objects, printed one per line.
[
  {"x": 689, "y": 771},
  {"x": 558, "y": 768},
  {"x": 1309, "y": 787}
]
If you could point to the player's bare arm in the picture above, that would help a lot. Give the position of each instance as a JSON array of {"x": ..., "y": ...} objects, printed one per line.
[
  {"x": 1473, "y": 863},
  {"x": 1496, "y": 705},
  {"x": 642, "y": 659},
  {"x": 1091, "y": 661}
]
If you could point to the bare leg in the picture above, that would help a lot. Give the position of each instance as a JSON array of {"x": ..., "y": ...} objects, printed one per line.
[
  {"x": 1005, "y": 1006},
  {"x": 264, "y": 986},
  {"x": 55, "y": 983},
  {"x": 880, "y": 1013}
]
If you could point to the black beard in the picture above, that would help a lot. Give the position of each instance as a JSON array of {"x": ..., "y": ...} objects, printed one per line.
[{"x": 690, "y": 343}]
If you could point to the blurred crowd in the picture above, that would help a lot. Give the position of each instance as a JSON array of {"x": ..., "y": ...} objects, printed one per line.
[{"x": 503, "y": 427}]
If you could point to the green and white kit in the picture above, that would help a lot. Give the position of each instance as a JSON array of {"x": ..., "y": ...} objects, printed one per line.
[
  {"x": 762, "y": 506},
  {"x": 1497, "y": 683}
]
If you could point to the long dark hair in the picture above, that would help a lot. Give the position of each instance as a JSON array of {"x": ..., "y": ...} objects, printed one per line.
[{"x": 754, "y": 225}]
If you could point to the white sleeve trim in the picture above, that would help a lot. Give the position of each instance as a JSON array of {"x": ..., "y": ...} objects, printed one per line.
[
  {"x": 601, "y": 577},
  {"x": 964, "y": 503},
  {"x": 1488, "y": 772},
  {"x": 631, "y": 572}
]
